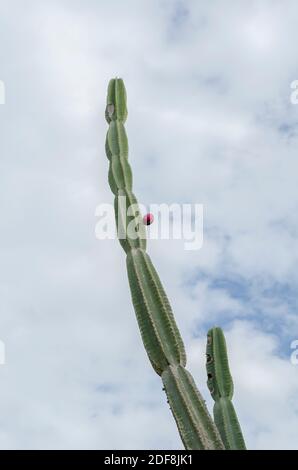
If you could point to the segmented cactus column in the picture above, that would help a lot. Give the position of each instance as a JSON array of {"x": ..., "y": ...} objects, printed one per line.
[
  {"x": 157, "y": 325},
  {"x": 220, "y": 384}
]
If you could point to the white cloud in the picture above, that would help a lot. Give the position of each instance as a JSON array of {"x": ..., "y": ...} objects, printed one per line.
[{"x": 210, "y": 121}]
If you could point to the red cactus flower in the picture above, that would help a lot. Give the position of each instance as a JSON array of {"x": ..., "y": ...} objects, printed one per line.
[{"x": 148, "y": 219}]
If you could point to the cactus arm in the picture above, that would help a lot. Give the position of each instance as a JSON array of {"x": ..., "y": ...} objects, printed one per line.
[
  {"x": 189, "y": 410},
  {"x": 121, "y": 171},
  {"x": 117, "y": 139},
  {"x": 160, "y": 334},
  {"x": 116, "y": 101},
  {"x": 220, "y": 384},
  {"x": 158, "y": 328},
  {"x": 123, "y": 200},
  {"x": 220, "y": 381},
  {"x": 227, "y": 423}
]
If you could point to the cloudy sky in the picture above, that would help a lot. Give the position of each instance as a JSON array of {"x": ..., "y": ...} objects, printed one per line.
[{"x": 210, "y": 122}]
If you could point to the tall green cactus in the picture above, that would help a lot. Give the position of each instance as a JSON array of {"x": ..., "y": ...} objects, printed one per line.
[
  {"x": 220, "y": 384},
  {"x": 157, "y": 325}
]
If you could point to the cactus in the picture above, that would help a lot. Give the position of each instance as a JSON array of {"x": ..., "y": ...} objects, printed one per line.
[
  {"x": 220, "y": 384},
  {"x": 157, "y": 325}
]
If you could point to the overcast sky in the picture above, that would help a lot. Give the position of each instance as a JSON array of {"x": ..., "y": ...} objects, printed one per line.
[{"x": 211, "y": 122}]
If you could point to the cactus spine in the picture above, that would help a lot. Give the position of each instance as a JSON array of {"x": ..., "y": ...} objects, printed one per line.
[
  {"x": 220, "y": 384},
  {"x": 157, "y": 325}
]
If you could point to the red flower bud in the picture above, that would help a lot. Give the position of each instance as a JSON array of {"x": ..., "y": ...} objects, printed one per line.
[{"x": 148, "y": 219}]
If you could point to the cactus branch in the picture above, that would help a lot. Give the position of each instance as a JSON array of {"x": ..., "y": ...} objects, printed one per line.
[
  {"x": 157, "y": 325},
  {"x": 220, "y": 384},
  {"x": 196, "y": 429}
]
